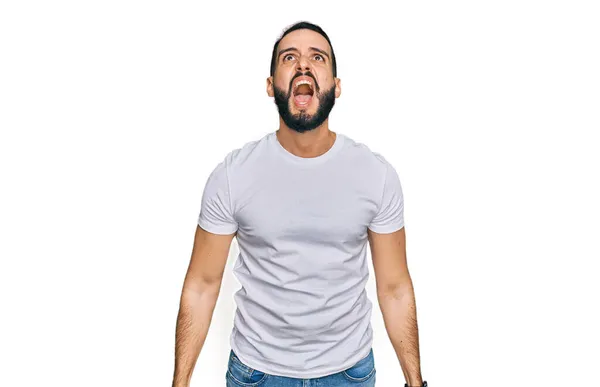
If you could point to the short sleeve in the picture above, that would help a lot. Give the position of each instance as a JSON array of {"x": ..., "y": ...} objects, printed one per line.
[
  {"x": 390, "y": 214},
  {"x": 216, "y": 215}
]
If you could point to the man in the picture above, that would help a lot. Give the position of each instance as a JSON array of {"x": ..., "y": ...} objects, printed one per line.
[{"x": 303, "y": 201}]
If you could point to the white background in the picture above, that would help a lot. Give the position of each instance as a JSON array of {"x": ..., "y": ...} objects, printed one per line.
[{"x": 113, "y": 114}]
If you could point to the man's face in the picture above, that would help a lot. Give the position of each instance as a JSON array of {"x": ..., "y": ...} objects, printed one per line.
[{"x": 303, "y": 85}]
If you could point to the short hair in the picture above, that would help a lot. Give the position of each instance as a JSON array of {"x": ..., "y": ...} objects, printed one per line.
[{"x": 299, "y": 26}]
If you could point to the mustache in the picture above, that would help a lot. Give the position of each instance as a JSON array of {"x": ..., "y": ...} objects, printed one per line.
[{"x": 308, "y": 74}]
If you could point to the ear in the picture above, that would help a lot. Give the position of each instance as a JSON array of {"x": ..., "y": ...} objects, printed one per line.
[
  {"x": 270, "y": 92},
  {"x": 338, "y": 87}
]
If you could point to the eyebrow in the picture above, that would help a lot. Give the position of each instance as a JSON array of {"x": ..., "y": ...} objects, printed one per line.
[{"x": 295, "y": 49}]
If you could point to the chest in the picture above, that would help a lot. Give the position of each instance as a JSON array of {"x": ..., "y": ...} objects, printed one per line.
[{"x": 322, "y": 209}]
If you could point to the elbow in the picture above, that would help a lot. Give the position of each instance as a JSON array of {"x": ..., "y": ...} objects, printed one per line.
[
  {"x": 203, "y": 286},
  {"x": 397, "y": 290}
]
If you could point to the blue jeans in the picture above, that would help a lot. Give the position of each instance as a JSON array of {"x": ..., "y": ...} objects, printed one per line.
[{"x": 361, "y": 374}]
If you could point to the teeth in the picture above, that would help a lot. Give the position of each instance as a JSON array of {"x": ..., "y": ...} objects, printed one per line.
[{"x": 303, "y": 82}]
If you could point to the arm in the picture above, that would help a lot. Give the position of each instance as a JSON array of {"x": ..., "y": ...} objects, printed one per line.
[
  {"x": 396, "y": 299},
  {"x": 198, "y": 299}
]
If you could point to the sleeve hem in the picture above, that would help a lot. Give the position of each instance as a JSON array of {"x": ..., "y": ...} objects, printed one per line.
[
  {"x": 387, "y": 229},
  {"x": 221, "y": 230}
]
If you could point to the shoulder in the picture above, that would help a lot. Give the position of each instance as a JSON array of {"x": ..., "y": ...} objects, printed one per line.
[
  {"x": 229, "y": 171},
  {"x": 238, "y": 157},
  {"x": 363, "y": 154}
]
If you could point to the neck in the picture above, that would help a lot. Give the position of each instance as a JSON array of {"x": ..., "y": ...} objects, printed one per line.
[{"x": 312, "y": 143}]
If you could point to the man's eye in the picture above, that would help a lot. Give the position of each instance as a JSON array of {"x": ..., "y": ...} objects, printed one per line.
[
  {"x": 319, "y": 56},
  {"x": 288, "y": 55}
]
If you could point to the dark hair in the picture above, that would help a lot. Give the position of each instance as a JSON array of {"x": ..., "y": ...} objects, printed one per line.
[{"x": 299, "y": 26}]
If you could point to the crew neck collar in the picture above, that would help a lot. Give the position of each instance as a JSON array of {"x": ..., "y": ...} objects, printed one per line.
[{"x": 337, "y": 144}]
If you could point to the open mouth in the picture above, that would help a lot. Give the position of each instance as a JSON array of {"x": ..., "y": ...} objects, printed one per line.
[{"x": 303, "y": 92}]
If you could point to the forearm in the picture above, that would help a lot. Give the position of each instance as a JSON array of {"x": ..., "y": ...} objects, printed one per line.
[
  {"x": 399, "y": 312},
  {"x": 193, "y": 321}
]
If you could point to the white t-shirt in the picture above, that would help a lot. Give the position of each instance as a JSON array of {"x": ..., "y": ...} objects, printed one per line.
[{"x": 301, "y": 223}]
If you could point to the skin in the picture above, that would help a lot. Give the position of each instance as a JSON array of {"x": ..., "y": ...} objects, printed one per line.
[
  {"x": 317, "y": 141},
  {"x": 199, "y": 296},
  {"x": 396, "y": 298},
  {"x": 204, "y": 276}
]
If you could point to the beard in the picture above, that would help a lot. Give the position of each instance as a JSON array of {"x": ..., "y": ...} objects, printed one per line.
[{"x": 303, "y": 122}]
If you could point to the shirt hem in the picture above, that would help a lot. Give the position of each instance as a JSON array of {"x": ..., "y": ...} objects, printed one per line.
[{"x": 257, "y": 365}]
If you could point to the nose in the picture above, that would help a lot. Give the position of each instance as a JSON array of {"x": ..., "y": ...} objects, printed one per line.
[{"x": 303, "y": 64}]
